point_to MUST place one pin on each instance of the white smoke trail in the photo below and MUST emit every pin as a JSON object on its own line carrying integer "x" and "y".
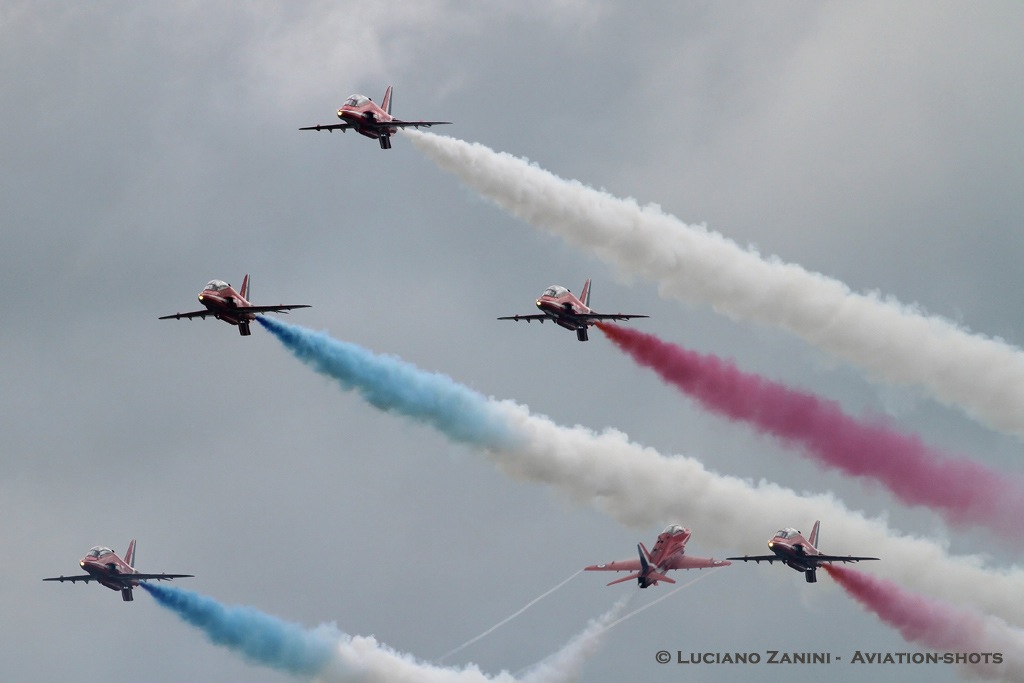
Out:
{"x": 508, "y": 618}
{"x": 365, "y": 660}
{"x": 567, "y": 663}
{"x": 666, "y": 596}
{"x": 637, "y": 485}
{"x": 891, "y": 341}
{"x": 640, "y": 487}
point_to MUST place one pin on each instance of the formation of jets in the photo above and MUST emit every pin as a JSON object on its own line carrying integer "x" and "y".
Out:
{"x": 788, "y": 546}
{"x": 561, "y": 306}
{"x": 556, "y": 304}
{"x": 103, "y": 566}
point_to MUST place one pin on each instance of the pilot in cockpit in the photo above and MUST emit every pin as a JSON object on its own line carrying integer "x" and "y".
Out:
{"x": 357, "y": 100}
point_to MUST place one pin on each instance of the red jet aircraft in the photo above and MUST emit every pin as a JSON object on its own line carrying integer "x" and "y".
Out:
{"x": 361, "y": 113}
{"x": 560, "y": 305}
{"x": 104, "y": 566}
{"x": 668, "y": 553}
{"x": 792, "y": 549}
{"x": 224, "y": 303}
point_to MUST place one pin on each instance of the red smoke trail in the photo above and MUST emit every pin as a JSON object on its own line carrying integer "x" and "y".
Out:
{"x": 918, "y": 619}
{"x": 988, "y": 646}
{"x": 962, "y": 491}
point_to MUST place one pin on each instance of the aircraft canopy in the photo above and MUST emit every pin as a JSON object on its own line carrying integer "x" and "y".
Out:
{"x": 357, "y": 100}
{"x": 786, "y": 533}
{"x": 673, "y": 529}
{"x": 98, "y": 551}
{"x": 556, "y": 291}
{"x": 217, "y": 285}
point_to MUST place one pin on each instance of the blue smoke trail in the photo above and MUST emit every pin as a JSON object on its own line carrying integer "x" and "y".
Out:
{"x": 259, "y": 637}
{"x": 393, "y": 385}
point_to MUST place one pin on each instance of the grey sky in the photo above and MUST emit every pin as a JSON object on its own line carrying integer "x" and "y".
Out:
{"x": 149, "y": 147}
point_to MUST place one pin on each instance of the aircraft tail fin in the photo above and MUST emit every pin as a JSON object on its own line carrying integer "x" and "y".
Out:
{"x": 386, "y": 103}
{"x": 129, "y": 555}
{"x": 585, "y": 294}
{"x": 244, "y": 291}
{"x": 644, "y": 564}
{"x": 813, "y": 538}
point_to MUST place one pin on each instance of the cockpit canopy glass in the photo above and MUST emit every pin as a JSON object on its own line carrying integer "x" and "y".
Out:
{"x": 216, "y": 285}
{"x": 98, "y": 551}
{"x": 556, "y": 291}
{"x": 356, "y": 100}
{"x": 786, "y": 533}
{"x": 674, "y": 529}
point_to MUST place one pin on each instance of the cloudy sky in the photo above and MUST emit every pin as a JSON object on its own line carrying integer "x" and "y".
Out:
{"x": 150, "y": 147}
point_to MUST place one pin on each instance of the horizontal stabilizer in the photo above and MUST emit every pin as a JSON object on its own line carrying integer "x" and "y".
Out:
{"x": 631, "y": 577}
{"x": 655, "y": 576}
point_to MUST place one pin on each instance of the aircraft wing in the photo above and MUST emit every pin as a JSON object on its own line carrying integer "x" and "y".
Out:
{"x": 617, "y": 566}
{"x": 757, "y": 558}
{"x": 837, "y": 558}
{"x": 157, "y": 577}
{"x": 609, "y": 316}
{"x": 268, "y": 309}
{"x": 690, "y": 562}
{"x": 535, "y": 316}
{"x": 329, "y": 127}
{"x": 193, "y": 314}
{"x": 77, "y": 577}
{"x": 395, "y": 123}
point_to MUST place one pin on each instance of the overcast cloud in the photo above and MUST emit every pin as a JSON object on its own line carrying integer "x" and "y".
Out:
{"x": 149, "y": 147}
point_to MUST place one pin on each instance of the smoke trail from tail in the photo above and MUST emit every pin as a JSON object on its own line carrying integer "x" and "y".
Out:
{"x": 962, "y": 491}
{"x": 258, "y": 637}
{"x": 334, "y": 657}
{"x": 938, "y": 625}
{"x": 567, "y": 663}
{"x": 640, "y": 487}
{"x": 509, "y": 618}
{"x": 662, "y": 598}
{"x": 893, "y": 342}
{"x": 391, "y": 384}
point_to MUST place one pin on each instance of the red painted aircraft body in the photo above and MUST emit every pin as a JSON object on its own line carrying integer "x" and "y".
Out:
{"x": 669, "y": 552}
{"x": 224, "y": 303}
{"x": 561, "y": 306}
{"x": 792, "y": 549}
{"x": 362, "y": 114}
{"x": 105, "y": 567}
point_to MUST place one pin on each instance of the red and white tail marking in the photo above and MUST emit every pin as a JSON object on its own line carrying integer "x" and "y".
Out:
{"x": 244, "y": 291}
{"x": 386, "y": 103}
